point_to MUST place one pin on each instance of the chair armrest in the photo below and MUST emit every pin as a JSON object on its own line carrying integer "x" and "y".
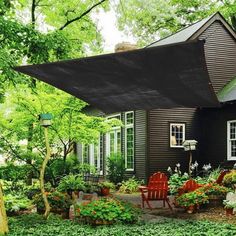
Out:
{"x": 143, "y": 188}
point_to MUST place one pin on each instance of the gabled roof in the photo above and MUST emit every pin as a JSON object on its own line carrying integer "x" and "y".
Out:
{"x": 193, "y": 31}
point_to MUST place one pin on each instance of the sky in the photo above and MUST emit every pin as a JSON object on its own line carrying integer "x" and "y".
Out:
{"x": 111, "y": 34}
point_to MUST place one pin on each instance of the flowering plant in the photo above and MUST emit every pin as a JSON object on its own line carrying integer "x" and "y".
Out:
{"x": 196, "y": 197}
{"x": 214, "y": 189}
{"x": 56, "y": 200}
{"x": 108, "y": 209}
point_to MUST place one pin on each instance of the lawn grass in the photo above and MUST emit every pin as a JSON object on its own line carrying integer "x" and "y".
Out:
{"x": 35, "y": 225}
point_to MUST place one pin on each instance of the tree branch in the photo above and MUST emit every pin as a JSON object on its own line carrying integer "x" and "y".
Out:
{"x": 81, "y": 16}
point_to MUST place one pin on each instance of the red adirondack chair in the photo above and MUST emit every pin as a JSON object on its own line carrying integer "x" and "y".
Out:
{"x": 221, "y": 176}
{"x": 156, "y": 190}
{"x": 189, "y": 186}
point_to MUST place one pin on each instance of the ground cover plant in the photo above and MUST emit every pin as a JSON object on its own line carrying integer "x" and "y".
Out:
{"x": 35, "y": 225}
{"x": 130, "y": 186}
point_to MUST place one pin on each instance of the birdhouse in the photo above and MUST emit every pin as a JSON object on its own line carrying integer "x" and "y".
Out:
{"x": 45, "y": 119}
{"x": 189, "y": 145}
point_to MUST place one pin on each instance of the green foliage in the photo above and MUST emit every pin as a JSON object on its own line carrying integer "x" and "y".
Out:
{"x": 106, "y": 184}
{"x": 71, "y": 183}
{"x": 229, "y": 204}
{"x": 214, "y": 189}
{"x": 57, "y": 201}
{"x": 16, "y": 203}
{"x": 196, "y": 197}
{"x": 230, "y": 179}
{"x": 165, "y": 17}
{"x": 37, "y": 226}
{"x": 130, "y": 186}
{"x": 176, "y": 181}
{"x": 108, "y": 209}
{"x": 116, "y": 168}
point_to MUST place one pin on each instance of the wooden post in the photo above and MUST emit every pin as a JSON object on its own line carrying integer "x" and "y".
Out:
{"x": 190, "y": 163}
{"x": 42, "y": 173}
{"x": 3, "y": 216}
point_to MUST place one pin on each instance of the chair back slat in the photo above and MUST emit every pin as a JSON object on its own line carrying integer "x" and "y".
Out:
{"x": 157, "y": 186}
{"x": 221, "y": 176}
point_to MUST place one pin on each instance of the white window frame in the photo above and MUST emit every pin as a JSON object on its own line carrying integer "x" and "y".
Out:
{"x": 115, "y": 129}
{"x": 229, "y": 156}
{"x": 170, "y": 132}
{"x": 126, "y": 127}
{"x": 91, "y": 155}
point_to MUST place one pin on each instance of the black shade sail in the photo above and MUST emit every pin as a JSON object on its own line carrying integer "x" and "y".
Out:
{"x": 158, "y": 77}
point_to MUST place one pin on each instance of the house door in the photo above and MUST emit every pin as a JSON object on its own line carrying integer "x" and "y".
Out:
{"x": 113, "y": 142}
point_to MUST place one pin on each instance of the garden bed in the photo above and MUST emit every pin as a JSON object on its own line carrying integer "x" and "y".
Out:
{"x": 37, "y": 226}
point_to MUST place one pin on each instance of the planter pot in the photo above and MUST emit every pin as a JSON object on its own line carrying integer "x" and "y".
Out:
{"x": 191, "y": 209}
{"x": 105, "y": 191}
{"x": 215, "y": 201}
{"x": 87, "y": 196}
{"x": 229, "y": 211}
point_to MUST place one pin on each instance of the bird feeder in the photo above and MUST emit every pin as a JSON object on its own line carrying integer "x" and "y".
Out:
{"x": 189, "y": 145}
{"x": 45, "y": 119}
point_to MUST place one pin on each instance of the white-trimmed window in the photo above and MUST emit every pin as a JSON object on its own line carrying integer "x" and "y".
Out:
{"x": 91, "y": 155}
{"x": 113, "y": 138}
{"x": 231, "y": 140}
{"x": 177, "y": 135}
{"x": 129, "y": 140}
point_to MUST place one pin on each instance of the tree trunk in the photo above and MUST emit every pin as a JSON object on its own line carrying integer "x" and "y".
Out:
{"x": 42, "y": 172}
{"x": 3, "y": 215}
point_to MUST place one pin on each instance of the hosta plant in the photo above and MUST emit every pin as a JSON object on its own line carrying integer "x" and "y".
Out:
{"x": 130, "y": 186}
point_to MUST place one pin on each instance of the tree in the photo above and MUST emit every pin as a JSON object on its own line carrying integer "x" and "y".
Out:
{"x": 159, "y": 19}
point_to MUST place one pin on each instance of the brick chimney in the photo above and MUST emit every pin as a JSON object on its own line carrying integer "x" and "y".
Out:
{"x": 125, "y": 46}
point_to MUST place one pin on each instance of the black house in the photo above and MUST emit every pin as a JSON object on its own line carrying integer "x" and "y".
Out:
{"x": 152, "y": 140}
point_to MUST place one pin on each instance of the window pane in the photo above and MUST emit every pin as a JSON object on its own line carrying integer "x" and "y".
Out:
{"x": 177, "y": 134}
{"x": 130, "y": 148}
{"x": 233, "y": 148}
{"x": 129, "y": 118}
{"x": 232, "y": 130}
{"x": 112, "y": 143}
{"x": 86, "y": 153}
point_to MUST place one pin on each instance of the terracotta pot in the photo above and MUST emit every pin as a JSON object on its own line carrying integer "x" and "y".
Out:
{"x": 105, "y": 191}
{"x": 191, "y": 209}
{"x": 87, "y": 196}
{"x": 229, "y": 211}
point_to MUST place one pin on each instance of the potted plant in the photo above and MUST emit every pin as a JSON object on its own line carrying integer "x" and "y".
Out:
{"x": 71, "y": 183}
{"x": 191, "y": 201}
{"x": 90, "y": 189}
{"x": 215, "y": 192}
{"x": 229, "y": 207}
{"x": 105, "y": 187}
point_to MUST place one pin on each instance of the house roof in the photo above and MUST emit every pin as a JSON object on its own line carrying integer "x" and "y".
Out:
{"x": 132, "y": 80}
{"x": 193, "y": 31}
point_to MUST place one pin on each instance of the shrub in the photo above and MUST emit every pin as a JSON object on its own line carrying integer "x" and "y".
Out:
{"x": 230, "y": 179}
{"x": 71, "y": 183}
{"x": 193, "y": 198}
{"x": 57, "y": 201}
{"x": 116, "y": 168}
{"x": 108, "y": 210}
{"x": 214, "y": 189}
{"x": 130, "y": 186}
{"x": 16, "y": 203}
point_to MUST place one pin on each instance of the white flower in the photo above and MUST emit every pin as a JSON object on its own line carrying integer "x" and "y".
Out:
{"x": 192, "y": 167}
{"x": 185, "y": 174}
{"x": 178, "y": 165}
{"x": 206, "y": 167}
{"x": 169, "y": 169}
{"x": 195, "y": 164}
{"x": 176, "y": 170}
